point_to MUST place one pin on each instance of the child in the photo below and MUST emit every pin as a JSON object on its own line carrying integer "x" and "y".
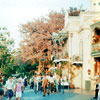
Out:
{"x": 19, "y": 88}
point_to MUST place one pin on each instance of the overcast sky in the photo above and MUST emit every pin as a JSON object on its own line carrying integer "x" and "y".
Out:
{"x": 16, "y": 12}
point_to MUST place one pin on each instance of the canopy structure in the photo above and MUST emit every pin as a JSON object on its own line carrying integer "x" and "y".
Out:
{"x": 77, "y": 63}
{"x": 59, "y": 60}
{"x": 56, "y": 60}
{"x": 52, "y": 68}
{"x": 64, "y": 59}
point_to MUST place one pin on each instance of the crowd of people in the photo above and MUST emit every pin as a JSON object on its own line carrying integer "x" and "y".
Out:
{"x": 48, "y": 83}
{"x": 44, "y": 83}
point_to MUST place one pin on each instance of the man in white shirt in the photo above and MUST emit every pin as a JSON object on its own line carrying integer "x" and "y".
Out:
{"x": 31, "y": 82}
{"x": 97, "y": 79}
{"x": 9, "y": 87}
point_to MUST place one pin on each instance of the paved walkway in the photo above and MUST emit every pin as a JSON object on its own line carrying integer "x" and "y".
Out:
{"x": 68, "y": 95}
{"x": 79, "y": 91}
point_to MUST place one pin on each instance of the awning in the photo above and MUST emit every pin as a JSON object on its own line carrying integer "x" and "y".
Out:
{"x": 65, "y": 59}
{"x": 59, "y": 60}
{"x": 95, "y": 54}
{"x": 56, "y": 60}
{"x": 77, "y": 63}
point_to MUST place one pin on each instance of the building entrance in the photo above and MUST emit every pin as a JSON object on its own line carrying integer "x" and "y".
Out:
{"x": 97, "y": 65}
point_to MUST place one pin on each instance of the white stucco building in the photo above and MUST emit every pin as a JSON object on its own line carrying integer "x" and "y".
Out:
{"x": 79, "y": 30}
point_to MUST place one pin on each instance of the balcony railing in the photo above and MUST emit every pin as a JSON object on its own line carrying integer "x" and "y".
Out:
{"x": 95, "y": 49}
{"x": 76, "y": 58}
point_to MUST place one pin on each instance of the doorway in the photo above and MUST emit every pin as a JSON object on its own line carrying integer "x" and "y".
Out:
{"x": 97, "y": 65}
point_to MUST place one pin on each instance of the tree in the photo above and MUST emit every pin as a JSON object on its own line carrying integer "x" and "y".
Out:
{"x": 6, "y": 52}
{"x": 37, "y": 36}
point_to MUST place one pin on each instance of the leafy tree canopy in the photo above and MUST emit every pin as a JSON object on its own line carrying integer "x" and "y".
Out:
{"x": 6, "y": 52}
{"x": 37, "y": 36}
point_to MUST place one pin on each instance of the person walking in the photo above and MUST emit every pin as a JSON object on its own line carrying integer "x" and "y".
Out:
{"x": 59, "y": 86}
{"x": 32, "y": 82}
{"x": 35, "y": 83}
{"x": 51, "y": 80}
{"x": 18, "y": 89}
{"x": 48, "y": 86}
{"x": 45, "y": 82}
{"x": 97, "y": 79}
{"x": 22, "y": 82}
{"x": 4, "y": 80}
{"x": 56, "y": 84}
{"x": 14, "y": 81}
{"x": 38, "y": 84}
{"x": 9, "y": 87}
{"x": 25, "y": 82}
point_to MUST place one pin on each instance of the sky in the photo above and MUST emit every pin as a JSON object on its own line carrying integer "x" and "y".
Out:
{"x": 16, "y": 12}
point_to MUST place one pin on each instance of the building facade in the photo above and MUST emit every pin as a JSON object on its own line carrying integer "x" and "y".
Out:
{"x": 80, "y": 31}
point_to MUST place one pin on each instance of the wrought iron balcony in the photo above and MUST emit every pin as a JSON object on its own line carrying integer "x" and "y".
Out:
{"x": 95, "y": 50}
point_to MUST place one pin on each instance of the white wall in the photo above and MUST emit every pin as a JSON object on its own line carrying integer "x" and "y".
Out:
{"x": 86, "y": 54}
{"x": 80, "y": 28}
{"x": 95, "y": 6}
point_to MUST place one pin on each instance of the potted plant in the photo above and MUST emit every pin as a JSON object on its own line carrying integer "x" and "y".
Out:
{"x": 71, "y": 79}
{"x": 72, "y": 86}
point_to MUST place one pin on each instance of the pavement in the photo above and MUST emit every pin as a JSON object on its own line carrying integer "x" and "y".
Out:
{"x": 81, "y": 91}
{"x": 75, "y": 94}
